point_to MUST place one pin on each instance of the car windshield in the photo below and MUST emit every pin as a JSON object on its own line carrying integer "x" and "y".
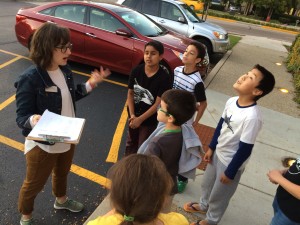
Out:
{"x": 142, "y": 24}
{"x": 190, "y": 14}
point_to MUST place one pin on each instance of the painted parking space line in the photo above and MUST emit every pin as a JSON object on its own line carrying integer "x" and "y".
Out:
{"x": 116, "y": 141}
{"x": 103, "y": 181}
{"x": 12, "y": 143}
{"x": 17, "y": 55}
{"x": 10, "y": 62}
{"x": 74, "y": 168}
{"x": 107, "y": 80}
{"x": 74, "y": 71}
{"x": 7, "y": 102}
{"x": 117, "y": 137}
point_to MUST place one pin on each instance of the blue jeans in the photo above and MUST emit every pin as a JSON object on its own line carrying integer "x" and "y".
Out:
{"x": 279, "y": 217}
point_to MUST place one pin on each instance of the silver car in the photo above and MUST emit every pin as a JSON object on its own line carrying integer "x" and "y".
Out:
{"x": 178, "y": 17}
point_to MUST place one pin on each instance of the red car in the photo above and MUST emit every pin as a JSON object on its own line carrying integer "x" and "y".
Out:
{"x": 104, "y": 34}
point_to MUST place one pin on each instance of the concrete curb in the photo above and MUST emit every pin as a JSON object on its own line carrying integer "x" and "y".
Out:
{"x": 216, "y": 69}
{"x": 101, "y": 210}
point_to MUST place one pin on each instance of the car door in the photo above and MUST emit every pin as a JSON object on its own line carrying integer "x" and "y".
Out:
{"x": 72, "y": 16}
{"x": 103, "y": 46}
{"x": 169, "y": 18}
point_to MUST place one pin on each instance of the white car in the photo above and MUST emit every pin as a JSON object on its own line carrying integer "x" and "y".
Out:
{"x": 177, "y": 16}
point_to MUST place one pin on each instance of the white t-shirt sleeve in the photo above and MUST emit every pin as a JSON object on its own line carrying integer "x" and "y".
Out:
{"x": 250, "y": 131}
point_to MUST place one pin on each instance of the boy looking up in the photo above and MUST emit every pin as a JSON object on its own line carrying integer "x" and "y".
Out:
{"x": 188, "y": 78}
{"x": 232, "y": 145}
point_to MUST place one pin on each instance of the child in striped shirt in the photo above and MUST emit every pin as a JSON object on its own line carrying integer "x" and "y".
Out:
{"x": 188, "y": 78}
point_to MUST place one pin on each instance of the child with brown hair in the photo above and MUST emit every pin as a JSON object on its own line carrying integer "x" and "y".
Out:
{"x": 232, "y": 144}
{"x": 147, "y": 82}
{"x": 188, "y": 78}
{"x": 140, "y": 185}
{"x": 49, "y": 84}
{"x": 173, "y": 141}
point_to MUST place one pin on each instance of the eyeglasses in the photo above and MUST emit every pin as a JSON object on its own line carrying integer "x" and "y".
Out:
{"x": 64, "y": 48}
{"x": 165, "y": 112}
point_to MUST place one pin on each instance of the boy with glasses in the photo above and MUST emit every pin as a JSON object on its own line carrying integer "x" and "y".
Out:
{"x": 167, "y": 141}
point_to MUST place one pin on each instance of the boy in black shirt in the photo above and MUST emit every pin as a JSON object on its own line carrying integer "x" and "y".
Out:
{"x": 147, "y": 83}
{"x": 286, "y": 203}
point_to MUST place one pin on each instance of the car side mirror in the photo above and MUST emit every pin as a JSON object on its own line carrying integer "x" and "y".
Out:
{"x": 123, "y": 32}
{"x": 181, "y": 19}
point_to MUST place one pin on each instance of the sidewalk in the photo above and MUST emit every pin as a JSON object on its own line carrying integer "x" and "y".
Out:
{"x": 252, "y": 202}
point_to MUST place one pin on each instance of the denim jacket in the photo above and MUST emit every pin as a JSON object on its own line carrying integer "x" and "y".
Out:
{"x": 32, "y": 97}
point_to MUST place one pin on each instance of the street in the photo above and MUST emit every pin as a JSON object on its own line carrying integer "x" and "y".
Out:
{"x": 241, "y": 28}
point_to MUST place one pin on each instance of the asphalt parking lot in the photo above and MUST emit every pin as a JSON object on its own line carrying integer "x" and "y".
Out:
{"x": 101, "y": 143}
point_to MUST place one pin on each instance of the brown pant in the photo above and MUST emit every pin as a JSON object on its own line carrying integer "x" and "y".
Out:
{"x": 39, "y": 165}
{"x": 136, "y": 137}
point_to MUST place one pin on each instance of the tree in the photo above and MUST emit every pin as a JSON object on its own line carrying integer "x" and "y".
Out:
{"x": 293, "y": 5}
{"x": 249, "y": 6}
{"x": 271, "y": 5}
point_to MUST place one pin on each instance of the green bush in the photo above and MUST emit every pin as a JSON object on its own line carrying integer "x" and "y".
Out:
{"x": 293, "y": 66}
{"x": 284, "y": 20}
{"x": 249, "y": 20}
{"x": 218, "y": 7}
{"x": 289, "y": 18}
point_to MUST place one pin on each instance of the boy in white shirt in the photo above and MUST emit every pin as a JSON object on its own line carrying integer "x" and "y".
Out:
{"x": 232, "y": 144}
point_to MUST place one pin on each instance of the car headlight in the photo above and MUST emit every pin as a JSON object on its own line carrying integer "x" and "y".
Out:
{"x": 219, "y": 35}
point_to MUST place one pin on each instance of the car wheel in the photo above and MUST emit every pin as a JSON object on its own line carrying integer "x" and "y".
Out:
{"x": 192, "y": 7}
{"x": 207, "y": 44}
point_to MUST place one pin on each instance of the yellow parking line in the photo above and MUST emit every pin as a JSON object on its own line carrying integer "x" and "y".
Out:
{"x": 114, "y": 150}
{"x": 10, "y": 62}
{"x": 10, "y": 53}
{"x": 12, "y": 143}
{"x": 75, "y": 71}
{"x": 116, "y": 141}
{"x": 90, "y": 175}
{"x": 74, "y": 168}
{"x": 7, "y": 102}
{"x": 109, "y": 81}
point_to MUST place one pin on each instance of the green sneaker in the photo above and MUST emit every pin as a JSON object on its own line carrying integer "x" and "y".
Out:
{"x": 181, "y": 185}
{"x": 70, "y": 205}
{"x": 27, "y": 222}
